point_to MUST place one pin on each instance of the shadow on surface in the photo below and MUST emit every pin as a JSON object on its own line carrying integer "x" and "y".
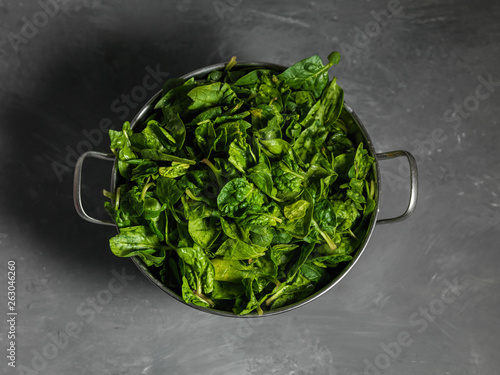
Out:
{"x": 45, "y": 128}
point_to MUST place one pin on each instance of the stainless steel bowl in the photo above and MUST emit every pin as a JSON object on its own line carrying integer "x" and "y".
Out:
{"x": 362, "y": 135}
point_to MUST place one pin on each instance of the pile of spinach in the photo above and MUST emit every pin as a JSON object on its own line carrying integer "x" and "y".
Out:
{"x": 244, "y": 190}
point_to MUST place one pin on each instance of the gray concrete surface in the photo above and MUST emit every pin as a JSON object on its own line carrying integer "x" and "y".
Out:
{"x": 423, "y": 76}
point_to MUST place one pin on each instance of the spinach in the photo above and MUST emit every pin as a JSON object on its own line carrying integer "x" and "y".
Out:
{"x": 140, "y": 241}
{"x": 239, "y": 197}
{"x": 309, "y": 74}
{"x": 244, "y": 190}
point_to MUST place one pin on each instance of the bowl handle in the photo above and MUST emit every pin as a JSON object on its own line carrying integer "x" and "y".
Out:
{"x": 77, "y": 185}
{"x": 413, "y": 184}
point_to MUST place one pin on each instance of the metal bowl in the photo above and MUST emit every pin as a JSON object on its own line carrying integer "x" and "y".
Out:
{"x": 360, "y": 133}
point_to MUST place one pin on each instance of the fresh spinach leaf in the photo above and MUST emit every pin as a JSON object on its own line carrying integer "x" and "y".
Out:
{"x": 138, "y": 241}
{"x": 239, "y": 197}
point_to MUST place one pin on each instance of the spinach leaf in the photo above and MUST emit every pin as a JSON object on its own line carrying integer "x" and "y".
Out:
{"x": 309, "y": 141}
{"x": 175, "y": 126}
{"x": 292, "y": 292}
{"x": 241, "y": 155}
{"x": 205, "y": 137}
{"x": 169, "y": 193}
{"x": 203, "y": 222}
{"x": 238, "y": 250}
{"x": 299, "y": 226}
{"x": 176, "y": 97}
{"x": 239, "y": 197}
{"x": 235, "y": 271}
{"x": 261, "y": 176}
{"x": 324, "y": 223}
{"x": 227, "y": 291}
{"x": 197, "y": 269}
{"x": 138, "y": 241}
{"x": 120, "y": 142}
{"x": 309, "y": 74}
{"x": 190, "y": 295}
{"x": 212, "y": 94}
{"x": 332, "y": 101}
{"x": 362, "y": 163}
{"x": 175, "y": 170}
{"x": 229, "y": 131}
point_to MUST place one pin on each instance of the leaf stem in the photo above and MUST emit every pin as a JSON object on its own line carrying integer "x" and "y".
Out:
{"x": 108, "y": 194}
{"x": 325, "y": 236}
{"x": 279, "y": 292}
{"x": 190, "y": 194}
{"x": 214, "y": 170}
{"x": 230, "y": 64}
{"x": 204, "y": 298}
{"x": 117, "y": 198}
{"x": 275, "y": 218}
{"x": 145, "y": 189}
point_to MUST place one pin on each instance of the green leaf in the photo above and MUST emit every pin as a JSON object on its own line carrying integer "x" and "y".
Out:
{"x": 210, "y": 114}
{"x": 229, "y": 131}
{"x": 203, "y": 223}
{"x": 175, "y": 170}
{"x": 199, "y": 266}
{"x": 300, "y": 227}
{"x": 330, "y": 260}
{"x": 291, "y": 292}
{"x": 205, "y": 137}
{"x": 239, "y": 197}
{"x": 305, "y": 251}
{"x": 261, "y": 176}
{"x": 210, "y": 95}
{"x": 225, "y": 290}
{"x": 282, "y": 253}
{"x": 261, "y": 235}
{"x": 175, "y": 126}
{"x": 241, "y": 155}
{"x": 324, "y": 223}
{"x": 120, "y": 143}
{"x": 346, "y": 213}
{"x": 192, "y": 296}
{"x": 252, "y": 78}
{"x": 176, "y": 97}
{"x": 332, "y": 101}
{"x": 296, "y": 210}
{"x": 308, "y": 74}
{"x": 238, "y": 250}
{"x": 310, "y": 140}
{"x": 362, "y": 163}
{"x": 343, "y": 164}
{"x": 315, "y": 273}
{"x": 288, "y": 181}
{"x": 251, "y": 302}
{"x": 234, "y": 271}
{"x": 355, "y": 192}
{"x": 138, "y": 241}
{"x": 169, "y": 193}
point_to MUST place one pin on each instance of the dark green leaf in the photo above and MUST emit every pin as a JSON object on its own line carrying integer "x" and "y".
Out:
{"x": 239, "y": 197}
{"x": 308, "y": 74}
{"x": 138, "y": 241}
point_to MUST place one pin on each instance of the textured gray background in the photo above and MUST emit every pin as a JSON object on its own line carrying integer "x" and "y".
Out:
{"x": 417, "y": 81}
